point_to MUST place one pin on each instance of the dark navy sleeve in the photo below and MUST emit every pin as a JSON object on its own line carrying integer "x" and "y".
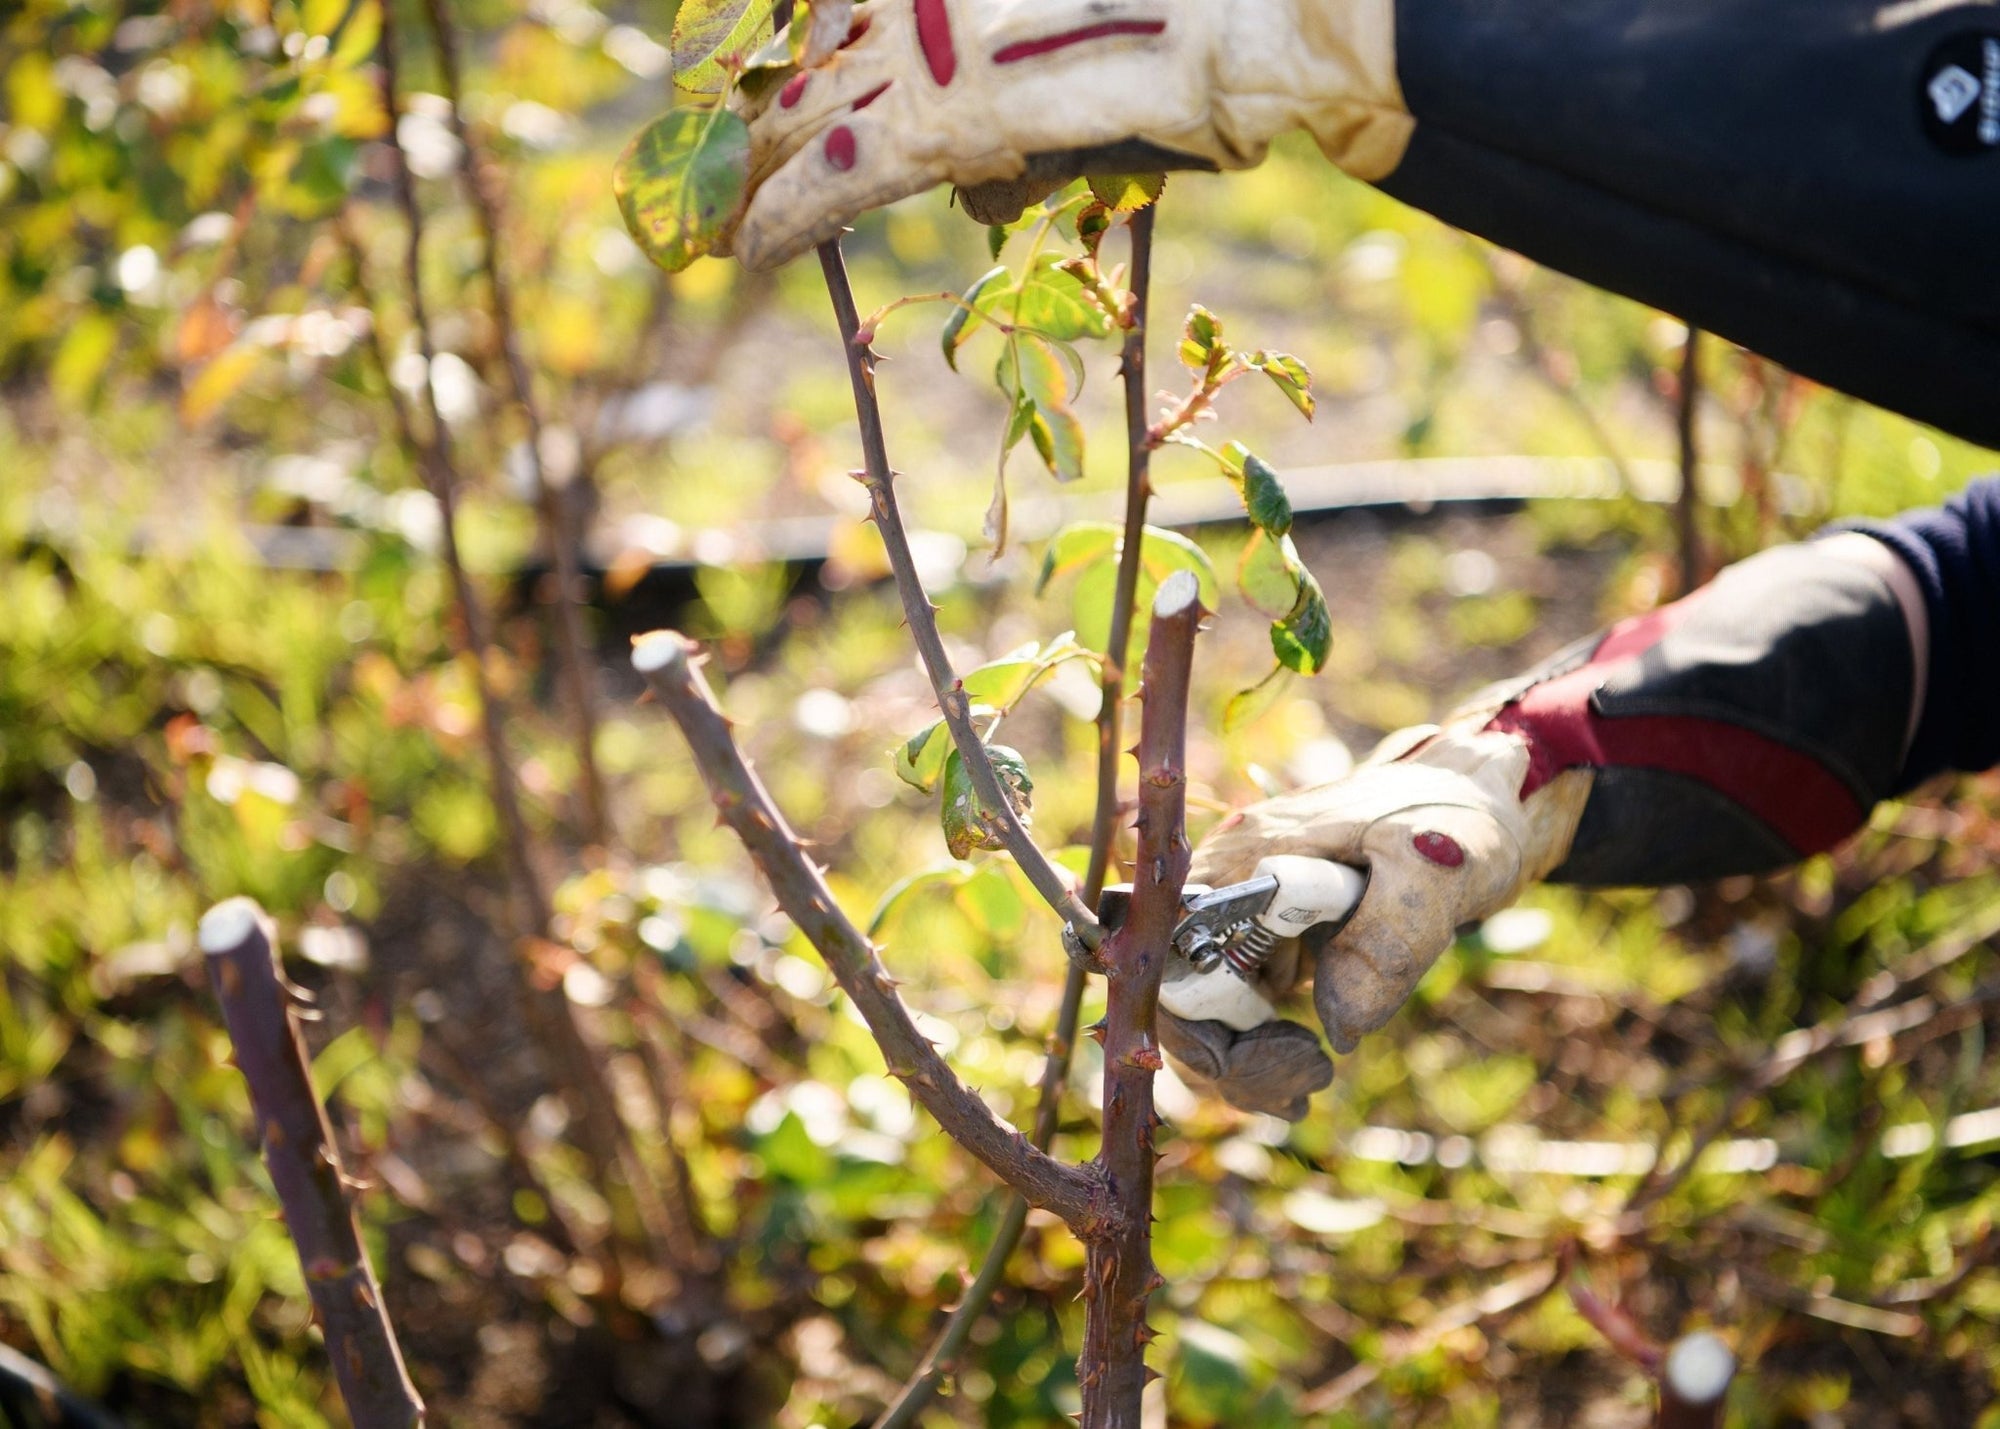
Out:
{"x": 1818, "y": 180}
{"x": 1954, "y": 551}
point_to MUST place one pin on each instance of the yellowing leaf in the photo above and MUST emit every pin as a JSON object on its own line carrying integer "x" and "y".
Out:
{"x": 1127, "y": 193}
{"x": 706, "y": 31}
{"x": 217, "y": 382}
{"x": 961, "y": 814}
{"x": 679, "y": 182}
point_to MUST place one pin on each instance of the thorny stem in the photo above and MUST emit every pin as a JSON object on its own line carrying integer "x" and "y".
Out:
{"x": 549, "y": 1013}
{"x": 304, "y": 1163}
{"x": 549, "y": 504}
{"x": 1119, "y": 1277}
{"x": 1685, "y": 503}
{"x": 667, "y": 661}
{"x": 922, "y": 1385}
{"x": 921, "y": 615}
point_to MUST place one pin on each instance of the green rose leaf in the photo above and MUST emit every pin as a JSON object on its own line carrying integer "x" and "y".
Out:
{"x": 1032, "y": 373}
{"x": 1127, "y": 193}
{"x": 1292, "y": 377}
{"x": 1075, "y": 547}
{"x": 1087, "y": 543}
{"x": 1264, "y": 497}
{"x": 1201, "y": 340}
{"x": 904, "y": 890}
{"x": 1004, "y": 682}
{"x": 1304, "y": 638}
{"x": 920, "y": 758}
{"x": 1048, "y": 302}
{"x": 1246, "y": 706}
{"x": 960, "y": 813}
{"x": 1093, "y": 221}
{"x": 960, "y": 326}
{"x": 679, "y": 182}
{"x": 1268, "y": 575}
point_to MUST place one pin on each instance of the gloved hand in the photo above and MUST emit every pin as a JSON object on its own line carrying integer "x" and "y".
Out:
{"x": 970, "y": 91}
{"x": 1445, "y": 838}
{"x": 1734, "y": 731}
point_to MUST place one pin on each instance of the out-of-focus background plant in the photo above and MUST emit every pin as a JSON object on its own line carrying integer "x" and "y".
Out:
{"x": 232, "y": 661}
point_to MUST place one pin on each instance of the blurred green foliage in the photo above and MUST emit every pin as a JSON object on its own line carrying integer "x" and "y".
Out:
{"x": 226, "y": 666}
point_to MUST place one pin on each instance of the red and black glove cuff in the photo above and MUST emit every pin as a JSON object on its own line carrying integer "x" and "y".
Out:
{"x": 1737, "y": 730}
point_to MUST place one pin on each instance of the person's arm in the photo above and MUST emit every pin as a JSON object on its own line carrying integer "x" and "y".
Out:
{"x": 1738, "y": 730}
{"x": 1818, "y": 180}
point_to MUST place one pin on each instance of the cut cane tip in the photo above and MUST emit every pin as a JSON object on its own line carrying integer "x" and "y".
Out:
{"x": 227, "y": 926}
{"x": 1179, "y": 591}
{"x": 1699, "y": 1368}
{"x": 656, "y": 650}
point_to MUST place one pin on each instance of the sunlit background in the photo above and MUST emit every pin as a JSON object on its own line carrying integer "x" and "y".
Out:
{"x": 227, "y": 666}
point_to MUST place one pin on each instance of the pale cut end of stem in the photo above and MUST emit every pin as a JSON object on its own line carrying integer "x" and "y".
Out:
{"x": 1699, "y": 1368}
{"x": 657, "y": 650}
{"x": 227, "y": 926}
{"x": 1179, "y": 591}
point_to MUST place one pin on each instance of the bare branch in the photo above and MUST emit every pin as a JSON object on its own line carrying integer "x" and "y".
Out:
{"x": 880, "y": 480}
{"x": 922, "y": 1384}
{"x": 573, "y": 643}
{"x": 551, "y": 1018}
{"x": 305, "y": 1167}
{"x": 1119, "y": 1277}
{"x": 666, "y": 660}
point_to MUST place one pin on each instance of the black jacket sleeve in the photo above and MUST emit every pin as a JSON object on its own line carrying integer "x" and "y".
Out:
{"x": 1818, "y": 180}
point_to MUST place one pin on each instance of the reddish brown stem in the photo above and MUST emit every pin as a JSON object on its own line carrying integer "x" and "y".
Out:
{"x": 667, "y": 660}
{"x": 1119, "y": 1277}
{"x": 917, "y": 1391}
{"x": 304, "y": 1162}
{"x": 880, "y": 480}
{"x": 573, "y": 644}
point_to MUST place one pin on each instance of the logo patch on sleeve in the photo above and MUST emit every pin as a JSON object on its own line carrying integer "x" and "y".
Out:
{"x": 1958, "y": 95}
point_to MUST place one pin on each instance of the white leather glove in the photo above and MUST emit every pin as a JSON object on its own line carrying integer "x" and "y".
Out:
{"x": 968, "y": 91}
{"x": 1445, "y": 838}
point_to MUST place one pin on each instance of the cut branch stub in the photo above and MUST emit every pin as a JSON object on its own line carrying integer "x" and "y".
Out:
{"x": 1119, "y": 1277}
{"x": 668, "y": 661}
{"x": 1694, "y": 1382}
{"x": 305, "y": 1167}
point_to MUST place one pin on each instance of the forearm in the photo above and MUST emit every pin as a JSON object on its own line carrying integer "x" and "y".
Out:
{"x": 1951, "y": 555}
{"x": 1774, "y": 170}
{"x": 1760, "y": 719}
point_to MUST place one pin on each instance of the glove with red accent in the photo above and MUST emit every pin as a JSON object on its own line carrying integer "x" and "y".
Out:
{"x": 1735, "y": 731}
{"x": 972, "y": 91}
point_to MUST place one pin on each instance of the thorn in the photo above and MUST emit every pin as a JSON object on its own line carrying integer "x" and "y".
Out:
{"x": 1145, "y": 1056}
{"x": 1151, "y": 1374}
{"x": 1096, "y": 1031}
